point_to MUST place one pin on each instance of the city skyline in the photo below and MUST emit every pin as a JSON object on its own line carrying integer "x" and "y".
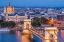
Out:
{"x": 33, "y": 3}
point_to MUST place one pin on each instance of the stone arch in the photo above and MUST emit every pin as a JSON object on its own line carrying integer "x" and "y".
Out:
{"x": 27, "y": 23}
{"x": 51, "y": 34}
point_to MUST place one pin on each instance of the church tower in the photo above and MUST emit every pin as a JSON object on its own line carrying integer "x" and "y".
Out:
{"x": 5, "y": 10}
{"x": 9, "y": 9}
{"x": 13, "y": 10}
{"x": 9, "y": 4}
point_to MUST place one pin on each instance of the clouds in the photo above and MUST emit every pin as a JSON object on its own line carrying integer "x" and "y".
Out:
{"x": 34, "y": 3}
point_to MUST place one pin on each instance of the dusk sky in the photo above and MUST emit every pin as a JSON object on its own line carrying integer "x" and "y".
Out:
{"x": 33, "y": 3}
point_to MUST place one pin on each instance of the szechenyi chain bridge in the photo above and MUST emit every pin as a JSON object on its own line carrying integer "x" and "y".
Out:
{"x": 46, "y": 34}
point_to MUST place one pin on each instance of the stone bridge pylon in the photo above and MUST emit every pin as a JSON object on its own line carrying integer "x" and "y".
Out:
{"x": 27, "y": 24}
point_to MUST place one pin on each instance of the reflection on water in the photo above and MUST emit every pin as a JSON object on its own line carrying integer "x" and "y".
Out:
{"x": 8, "y": 37}
{"x": 14, "y": 37}
{"x": 62, "y": 35}
{"x": 23, "y": 38}
{"x": 17, "y": 37}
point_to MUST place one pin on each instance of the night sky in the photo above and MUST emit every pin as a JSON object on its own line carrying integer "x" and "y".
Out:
{"x": 33, "y": 3}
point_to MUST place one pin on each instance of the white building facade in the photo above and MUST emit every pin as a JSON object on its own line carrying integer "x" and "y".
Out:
{"x": 16, "y": 17}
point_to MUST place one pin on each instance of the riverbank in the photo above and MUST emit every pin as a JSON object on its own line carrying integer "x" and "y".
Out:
{"x": 4, "y": 29}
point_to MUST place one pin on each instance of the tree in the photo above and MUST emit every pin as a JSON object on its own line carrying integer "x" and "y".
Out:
{"x": 39, "y": 24}
{"x": 2, "y": 24}
{"x": 38, "y": 21}
{"x": 11, "y": 24}
{"x": 35, "y": 22}
{"x": 1, "y": 21}
{"x": 7, "y": 24}
{"x": 43, "y": 20}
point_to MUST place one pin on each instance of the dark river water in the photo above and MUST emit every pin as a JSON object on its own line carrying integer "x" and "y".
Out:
{"x": 17, "y": 37}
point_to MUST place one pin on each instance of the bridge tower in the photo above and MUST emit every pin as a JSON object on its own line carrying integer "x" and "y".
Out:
{"x": 27, "y": 24}
{"x": 28, "y": 35}
{"x": 51, "y": 34}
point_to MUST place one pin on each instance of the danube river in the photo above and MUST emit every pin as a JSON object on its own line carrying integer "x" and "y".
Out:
{"x": 17, "y": 37}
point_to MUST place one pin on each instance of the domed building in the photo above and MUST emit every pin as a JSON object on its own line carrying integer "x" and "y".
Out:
{"x": 9, "y": 9}
{"x": 10, "y": 15}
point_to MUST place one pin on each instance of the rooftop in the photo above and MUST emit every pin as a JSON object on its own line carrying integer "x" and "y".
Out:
{"x": 21, "y": 14}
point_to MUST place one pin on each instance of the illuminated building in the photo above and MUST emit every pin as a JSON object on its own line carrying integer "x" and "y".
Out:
{"x": 9, "y": 9}
{"x": 60, "y": 17}
{"x": 50, "y": 19}
{"x": 10, "y": 15}
{"x": 16, "y": 17}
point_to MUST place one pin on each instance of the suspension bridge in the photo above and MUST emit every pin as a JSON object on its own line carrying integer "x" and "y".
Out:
{"x": 46, "y": 34}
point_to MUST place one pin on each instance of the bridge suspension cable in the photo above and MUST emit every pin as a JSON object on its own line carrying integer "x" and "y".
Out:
{"x": 37, "y": 33}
